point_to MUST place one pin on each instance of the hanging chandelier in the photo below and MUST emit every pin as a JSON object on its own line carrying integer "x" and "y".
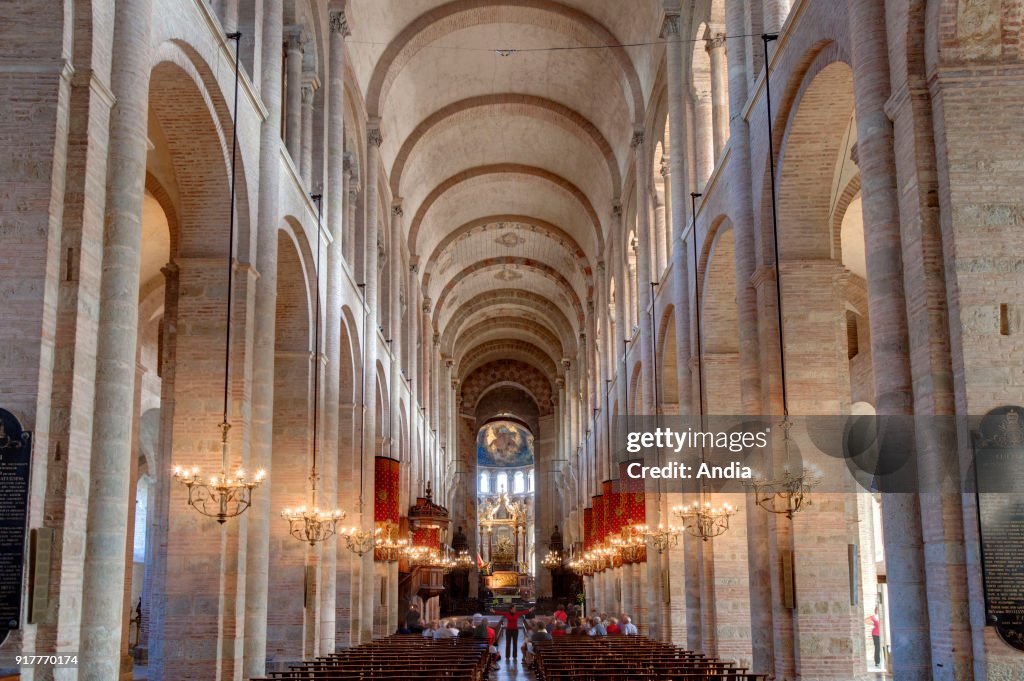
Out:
{"x": 223, "y": 496}
{"x": 704, "y": 520}
{"x": 632, "y": 544}
{"x": 700, "y": 518}
{"x": 552, "y": 560}
{"x": 463, "y": 562}
{"x": 790, "y": 492}
{"x": 661, "y": 538}
{"x": 311, "y": 524}
{"x": 358, "y": 540}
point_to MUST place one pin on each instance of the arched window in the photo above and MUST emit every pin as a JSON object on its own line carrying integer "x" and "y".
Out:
{"x": 502, "y": 485}
{"x": 531, "y": 480}
{"x": 519, "y": 483}
{"x": 141, "y": 506}
{"x": 485, "y": 483}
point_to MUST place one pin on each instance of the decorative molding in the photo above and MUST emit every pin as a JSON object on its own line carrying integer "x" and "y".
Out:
{"x": 296, "y": 38}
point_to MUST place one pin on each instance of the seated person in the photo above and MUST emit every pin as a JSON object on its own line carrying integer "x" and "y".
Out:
{"x": 612, "y": 627}
{"x": 597, "y": 627}
{"x": 628, "y": 628}
{"x": 558, "y": 628}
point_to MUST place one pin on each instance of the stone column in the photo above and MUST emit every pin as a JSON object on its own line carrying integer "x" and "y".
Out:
{"x": 295, "y": 47}
{"x": 662, "y": 243}
{"x": 336, "y": 193}
{"x": 370, "y": 298}
{"x": 306, "y": 159}
{"x": 685, "y": 570}
{"x": 704, "y": 134}
{"x": 258, "y": 517}
{"x": 227, "y": 11}
{"x": 103, "y": 581}
{"x": 719, "y": 92}
{"x": 739, "y": 182}
{"x": 622, "y": 326}
{"x": 348, "y": 237}
{"x": 901, "y": 513}
{"x": 643, "y": 278}
{"x": 395, "y": 317}
{"x": 773, "y": 14}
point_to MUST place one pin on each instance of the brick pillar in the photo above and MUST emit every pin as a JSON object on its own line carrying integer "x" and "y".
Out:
{"x": 103, "y": 580}
{"x": 295, "y": 46}
{"x": 901, "y": 514}
{"x": 367, "y": 597}
{"x": 258, "y": 517}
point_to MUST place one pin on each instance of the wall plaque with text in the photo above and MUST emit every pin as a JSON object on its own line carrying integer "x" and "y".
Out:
{"x": 999, "y": 465}
{"x": 15, "y": 457}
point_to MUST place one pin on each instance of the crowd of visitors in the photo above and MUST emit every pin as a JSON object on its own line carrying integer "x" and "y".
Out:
{"x": 564, "y": 621}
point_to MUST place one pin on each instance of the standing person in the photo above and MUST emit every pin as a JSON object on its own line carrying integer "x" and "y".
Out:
{"x": 876, "y": 635}
{"x": 560, "y": 614}
{"x": 412, "y": 620}
{"x": 512, "y": 618}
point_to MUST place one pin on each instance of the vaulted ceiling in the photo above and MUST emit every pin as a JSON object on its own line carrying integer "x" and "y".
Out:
{"x": 508, "y": 151}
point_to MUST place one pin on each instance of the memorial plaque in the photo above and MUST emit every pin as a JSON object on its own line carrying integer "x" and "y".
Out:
{"x": 999, "y": 466}
{"x": 15, "y": 454}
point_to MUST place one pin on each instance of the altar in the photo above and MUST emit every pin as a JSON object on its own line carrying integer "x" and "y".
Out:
{"x": 506, "y": 543}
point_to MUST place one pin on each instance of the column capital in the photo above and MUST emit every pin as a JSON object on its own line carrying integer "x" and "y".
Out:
{"x": 665, "y": 170}
{"x": 617, "y": 210}
{"x": 348, "y": 163}
{"x": 436, "y": 338}
{"x": 449, "y": 362}
{"x": 670, "y": 25}
{"x": 714, "y": 41}
{"x": 426, "y": 305}
{"x": 638, "y": 138}
{"x": 339, "y": 23}
{"x": 396, "y": 208}
{"x": 600, "y": 266}
{"x": 373, "y": 136}
{"x": 295, "y": 38}
{"x": 566, "y": 363}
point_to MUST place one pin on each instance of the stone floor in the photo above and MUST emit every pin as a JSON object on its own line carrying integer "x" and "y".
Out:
{"x": 511, "y": 669}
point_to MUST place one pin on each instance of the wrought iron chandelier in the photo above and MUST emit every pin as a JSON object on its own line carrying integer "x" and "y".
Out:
{"x": 552, "y": 560}
{"x": 662, "y": 538}
{"x": 701, "y": 518}
{"x": 311, "y": 524}
{"x": 358, "y": 540}
{"x": 224, "y": 496}
{"x": 632, "y": 544}
{"x": 463, "y": 561}
{"x": 790, "y": 492}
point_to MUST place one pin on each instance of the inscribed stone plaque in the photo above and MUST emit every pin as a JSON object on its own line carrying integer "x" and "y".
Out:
{"x": 999, "y": 464}
{"x": 15, "y": 453}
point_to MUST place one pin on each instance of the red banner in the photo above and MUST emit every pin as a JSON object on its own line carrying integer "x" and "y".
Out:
{"x": 385, "y": 490}
{"x": 635, "y": 506}
{"x": 614, "y": 512}
{"x": 427, "y": 536}
{"x": 598, "y": 502}
{"x": 588, "y": 528}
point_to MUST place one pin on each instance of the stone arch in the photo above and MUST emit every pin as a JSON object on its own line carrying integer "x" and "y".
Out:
{"x": 539, "y": 268}
{"x": 441, "y": 20}
{"x": 512, "y": 372}
{"x": 668, "y": 375}
{"x": 534, "y": 106}
{"x": 199, "y": 148}
{"x": 553, "y": 232}
{"x": 509, "y": 297}
{"x": 505, "y": 168}
{"x": 512, "y": 349}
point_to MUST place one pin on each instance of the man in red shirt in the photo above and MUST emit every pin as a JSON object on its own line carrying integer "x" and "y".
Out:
{"x": 512, "y": 629}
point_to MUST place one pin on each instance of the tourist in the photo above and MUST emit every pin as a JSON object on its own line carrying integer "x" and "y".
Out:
{"x": 612, "y": 627}
{"x": 428, "y": 632}
{"x": 560, "y": 613}
{"x": 413, "y": 619}
{"x": 628, "y": 628}
{"x": 558, "y": 628}
{"x": 597, "y": 628}
{"x": 444, "y": 631}
{"x": 453, "y": 630}
{"x": 512, "y": 618}
{"x": 876, "y": 635}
